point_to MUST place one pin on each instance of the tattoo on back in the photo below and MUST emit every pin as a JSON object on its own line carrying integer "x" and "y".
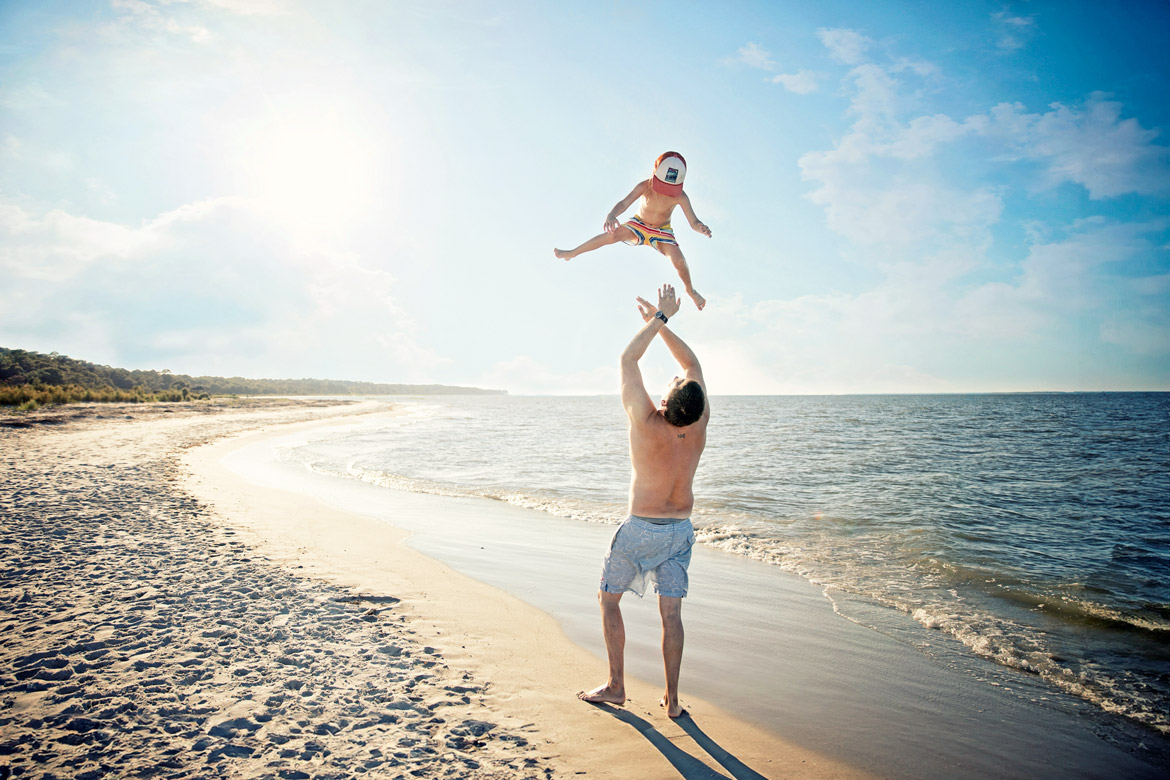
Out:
{"x": 682, "y": 435}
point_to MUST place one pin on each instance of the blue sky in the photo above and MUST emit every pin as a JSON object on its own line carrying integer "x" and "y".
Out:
{"x": 905, "y": 196}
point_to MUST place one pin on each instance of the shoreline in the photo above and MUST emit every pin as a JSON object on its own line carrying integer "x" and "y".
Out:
{"x": 807, "y": 676}
{"x": 533, "y": 668}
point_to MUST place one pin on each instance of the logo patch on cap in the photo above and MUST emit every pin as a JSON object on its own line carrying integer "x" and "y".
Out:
{"x": 669, "y": 172}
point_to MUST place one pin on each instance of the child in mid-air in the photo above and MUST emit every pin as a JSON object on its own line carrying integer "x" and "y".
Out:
{"x": 651, "y": 225}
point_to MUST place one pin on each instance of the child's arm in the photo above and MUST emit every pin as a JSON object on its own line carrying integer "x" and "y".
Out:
{"x": 696, "y": 225}
{"x": 611, "y": 219}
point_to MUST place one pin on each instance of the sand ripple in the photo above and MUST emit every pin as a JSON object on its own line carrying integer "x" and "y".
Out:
{"x": 141, "y": 639}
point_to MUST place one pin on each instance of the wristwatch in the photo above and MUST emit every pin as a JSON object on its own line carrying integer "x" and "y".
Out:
{"x": 660, "y": 316}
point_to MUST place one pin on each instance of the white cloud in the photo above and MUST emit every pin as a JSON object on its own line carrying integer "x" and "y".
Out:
{"x": 876, "y": 98}
{"x": 847, "y": 46}
{"x": 151, "y": 18}
{"x": 917, "y": 197}
{"x": 209, "y": 287}
{"x": 920, "y": 68}
{"x": 187, "y": 18}
{"x": 1009, "y": 43}
{"x": 813, "y": 344}
{"x": 904, "y": 211}
{"x": 252, "y": 7}
{"x": 57, "y": 245}
{"x": 101, "y": 193}
{"x": 28, "y": 97}
{"x": 1021, "y": 22}
{"x": 877, "y": 88}
{"x": 883, "y": 185}
{"x": 754, "y": 56}
{"x": 909, "y": 331}
{"x": 1143, "y": 330}
{"x": 877, "y": 186}
{"x": 20, "y": 150}
{"x": 803, "y": 82}
{"x": 1069, "y": 278}
{"x": 1146, "y": 338}
{"x": 1088, "y": 144}
{"x": 12, "y": 148}
{"x": 1013, "y": 31}
{"x": 924, "y": 134}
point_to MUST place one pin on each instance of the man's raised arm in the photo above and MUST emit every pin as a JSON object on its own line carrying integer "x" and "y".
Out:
{"x": 682, "y": 353}
{"x": 635, "y": 399}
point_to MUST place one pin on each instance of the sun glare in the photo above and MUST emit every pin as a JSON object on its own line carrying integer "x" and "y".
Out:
{"x": 311, "y": 171}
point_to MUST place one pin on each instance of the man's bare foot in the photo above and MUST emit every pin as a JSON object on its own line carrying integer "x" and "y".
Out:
{"x": 674, "y": 710}
{"x": 603, "y": 694}
{"x": 699, "y": 300}
{"x": 564, "y": 254}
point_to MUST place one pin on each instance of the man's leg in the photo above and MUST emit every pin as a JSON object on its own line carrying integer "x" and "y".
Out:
{"x": 672, "y": 648}
{"x": 614, "y": 690}
{"x": 684, "y": 272}
{"x": 605, "y": 239}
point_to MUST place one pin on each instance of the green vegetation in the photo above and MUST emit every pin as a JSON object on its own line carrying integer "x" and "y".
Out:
{"x": 29, "y": 380}
{"x": 28, "y": 397}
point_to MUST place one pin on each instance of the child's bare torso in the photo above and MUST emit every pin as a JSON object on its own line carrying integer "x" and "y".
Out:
{"x": 655, "y": 208}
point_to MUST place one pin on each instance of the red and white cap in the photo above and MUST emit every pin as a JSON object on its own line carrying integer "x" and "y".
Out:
{"x": 669, "y": 171}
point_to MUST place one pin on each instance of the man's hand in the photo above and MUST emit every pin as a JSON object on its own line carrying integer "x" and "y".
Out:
{"x": 701, "y": 228}
{"x": 668, "y": 304}
{"x": 611, "y": 223}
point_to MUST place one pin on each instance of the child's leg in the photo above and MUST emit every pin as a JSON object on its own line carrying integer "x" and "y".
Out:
{"x": 680, "y": 264}
{"x": 605, "y": 239}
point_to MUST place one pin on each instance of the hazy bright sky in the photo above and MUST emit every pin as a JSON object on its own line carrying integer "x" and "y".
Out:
{"x": 905, "y": 196}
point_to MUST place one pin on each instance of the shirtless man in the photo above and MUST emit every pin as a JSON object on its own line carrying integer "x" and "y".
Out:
{"x": 655, "y": 542}
{"x": 651, "y": 225}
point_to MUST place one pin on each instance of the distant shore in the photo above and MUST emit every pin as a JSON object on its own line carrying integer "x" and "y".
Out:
{"x": 32, "y": 379}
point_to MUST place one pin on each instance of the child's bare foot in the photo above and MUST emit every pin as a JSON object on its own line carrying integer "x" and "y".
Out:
{"x": 699, "y": 300}
{"x": 605, "y": 693}
{"x": 674, "y": 710}
{"x": 564, "y": 254}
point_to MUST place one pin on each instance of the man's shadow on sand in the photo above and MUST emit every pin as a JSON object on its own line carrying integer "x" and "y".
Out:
{"x": 687, "y": 765}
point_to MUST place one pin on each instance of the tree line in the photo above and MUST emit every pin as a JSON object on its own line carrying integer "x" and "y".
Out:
{"x": 38, "y": 378}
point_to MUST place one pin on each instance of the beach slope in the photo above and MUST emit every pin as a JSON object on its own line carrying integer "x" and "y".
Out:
{"x": 164, "y": 617}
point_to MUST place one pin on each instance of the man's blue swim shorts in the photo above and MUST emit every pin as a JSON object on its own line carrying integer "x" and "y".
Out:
{"x": 652, "y": 548}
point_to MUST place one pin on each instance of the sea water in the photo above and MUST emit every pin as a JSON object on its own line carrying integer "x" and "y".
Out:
{"x": 1032, "y": 530}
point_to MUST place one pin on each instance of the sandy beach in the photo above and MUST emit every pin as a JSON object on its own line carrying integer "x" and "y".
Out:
{"x": 763, "y": 643}
{"x": 165, "y": 617}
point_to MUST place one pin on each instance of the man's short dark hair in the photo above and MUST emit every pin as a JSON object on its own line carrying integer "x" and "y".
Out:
{"x": 685, "y": 404}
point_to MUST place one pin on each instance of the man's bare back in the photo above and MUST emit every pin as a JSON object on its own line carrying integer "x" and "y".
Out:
{"x": 663, "y": 460}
